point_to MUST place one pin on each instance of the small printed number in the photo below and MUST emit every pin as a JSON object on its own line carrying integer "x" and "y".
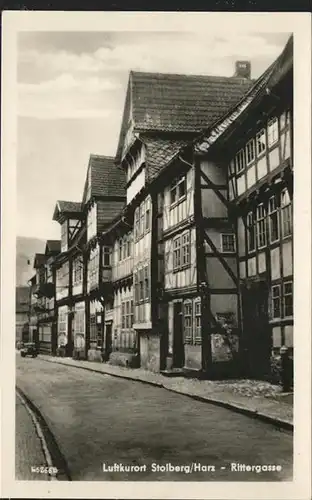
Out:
{"x": 43, "y": 470}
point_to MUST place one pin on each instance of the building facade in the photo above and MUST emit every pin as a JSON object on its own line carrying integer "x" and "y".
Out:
{"x": 179, "y": 256}
{"x": 21, "y": 314}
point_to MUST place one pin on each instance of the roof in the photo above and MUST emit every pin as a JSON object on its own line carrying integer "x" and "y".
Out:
{"x": 106, "y": 179}
{"x": 39, "y": 260}
{"x": 22, "y": 298}
{"x": 182, "y": 103}
{"x": 177, "y": 103}
{"x": 53, "y": 246}
{"x": 66, "y": 207}
{"x": 159, "y": 152}
{"x": 270, "y": 78}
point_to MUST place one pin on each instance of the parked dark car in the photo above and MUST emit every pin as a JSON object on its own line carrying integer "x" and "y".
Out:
{"x": 29, "y": 349}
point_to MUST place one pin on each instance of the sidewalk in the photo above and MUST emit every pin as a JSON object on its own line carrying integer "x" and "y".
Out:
{"x": 254, "y": 398}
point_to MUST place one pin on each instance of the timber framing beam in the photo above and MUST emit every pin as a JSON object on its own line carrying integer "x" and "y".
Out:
{"x": 221, "y": 258}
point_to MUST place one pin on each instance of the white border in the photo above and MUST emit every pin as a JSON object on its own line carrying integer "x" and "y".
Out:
{"x": 300, "y": 25}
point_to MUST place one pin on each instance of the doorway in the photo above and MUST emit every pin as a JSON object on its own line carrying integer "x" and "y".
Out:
{"x": 178, "y": 344}
{"x": 256, "y": 330}
{"x": 108, "y": 339}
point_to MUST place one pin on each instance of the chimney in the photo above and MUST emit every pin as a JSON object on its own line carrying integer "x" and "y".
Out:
{"x": 243, "y": 69}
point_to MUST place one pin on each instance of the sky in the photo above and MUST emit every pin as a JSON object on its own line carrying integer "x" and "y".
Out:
{"x": 71, "y": 93}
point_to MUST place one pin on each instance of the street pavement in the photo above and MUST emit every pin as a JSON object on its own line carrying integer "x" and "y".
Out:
{"x": 98, "y": 419}
{"x": 28, "y": 446}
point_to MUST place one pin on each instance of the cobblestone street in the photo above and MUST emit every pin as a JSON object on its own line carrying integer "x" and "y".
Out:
{"x": 97, "y": 419}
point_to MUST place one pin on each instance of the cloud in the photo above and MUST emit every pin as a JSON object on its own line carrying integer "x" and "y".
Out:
{"x": 66, "y": 83}
{"x": 67, "y": 96}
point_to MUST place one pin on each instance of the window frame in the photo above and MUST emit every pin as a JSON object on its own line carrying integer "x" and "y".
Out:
{"x": 222, "y": 235}
{"x": 273, "y": 212}
{"x": 240, "y": 161}
{"x": 251, "y": 143}
{"x": 278, "y": 298}
{"x": 251, "y": 230}
{"x": 273, "y": 133}
{"x": 258, "y": 141}
{"x": 288, "y": 294}
{"x": 259, "y": 222}
{"x": 286, "y": 207}
{"x": 175, "y": 187}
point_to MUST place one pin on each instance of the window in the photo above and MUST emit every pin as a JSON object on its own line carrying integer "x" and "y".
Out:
{"x": 261, "y": 142}
{"x": 79, "y": 321}
{"x": 228, "y": 243}
{"x": 197, "y": 333}
{"x": 123, "y": 315}
{"x": 142, "y": 218}
{"x": 187, "y": 322}
{"x": 240, "y": 161}
{"x": 78, "y": 270}
{"x": 288, "y": 299}
{"x": 261, "y": 226}
{"x": 146, "y": 283}
{"x": 286, "y": 213}
{"x": 272, "y": 131}
{"x": 176, "y": 253}
{"x": 129, "y": 246}
{"x": 185, "y": 249}
{"x": 127, "y": 314}
{"x": 141, "y": 279}
{"x": 276, "y": 301}
{"x": 147, "y": 215}
{"x": 93, "y": 268}
{"x": 251, "y": 232}
{"x": 64, "y": 236}
{"x": 93, "y": 328}
{"x": 120, "y": 249}
{"x": 136, "y": 222}
{"x": 250, "y": 151}
{"x": 177, "y": 190}
{"x": 62, "y": 320}
{"x": 181, "y": 251}
{"x": 273, "y": 220}
{"x": 106, "y": 256}
{"x": 131, "y": 314}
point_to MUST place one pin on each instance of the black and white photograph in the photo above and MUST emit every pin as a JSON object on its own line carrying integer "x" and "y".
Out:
{"x": 154, "y": 337}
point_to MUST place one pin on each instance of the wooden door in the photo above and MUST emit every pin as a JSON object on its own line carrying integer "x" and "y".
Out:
{"x": 257, "y": 332}
{"x": 108, "y": 338}
{"x": 53, "y": 338}
{"x": 178, "y": 344}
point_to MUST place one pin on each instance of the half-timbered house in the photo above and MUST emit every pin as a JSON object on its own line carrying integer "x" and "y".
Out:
{"x": 242, "y": 168}
{"x": 103, "y": 198}
{"x": 163, "y": 113}
{"x": 69, "y": 298}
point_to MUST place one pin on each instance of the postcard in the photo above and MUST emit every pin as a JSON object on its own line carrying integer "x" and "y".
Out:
{"x": 156, "y": 196}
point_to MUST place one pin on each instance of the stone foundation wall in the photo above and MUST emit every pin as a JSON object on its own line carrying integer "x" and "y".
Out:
{"x": 150, "y": 351}
{"x": 95, "y": 355}
{"x": 127, "y": 359}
